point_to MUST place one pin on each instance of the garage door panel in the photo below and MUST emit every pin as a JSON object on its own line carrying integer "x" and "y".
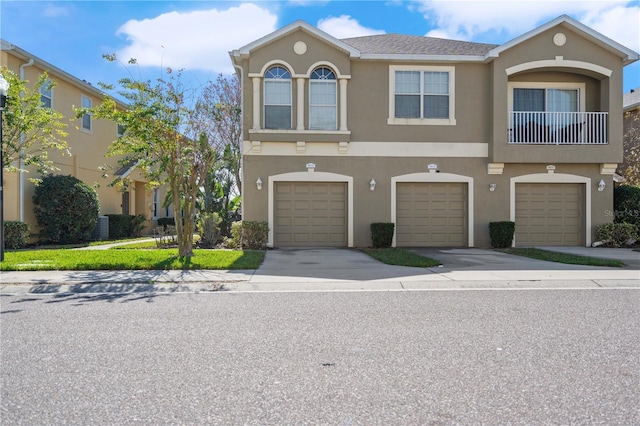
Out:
{"x": 431, "y": 214}
{"x": 310, "y": 214}
{"x": 550, "y": 214}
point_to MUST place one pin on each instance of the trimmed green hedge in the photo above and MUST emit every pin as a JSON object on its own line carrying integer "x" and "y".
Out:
{"x": 626, "y": 204}
{"x": 382, "y": 234}
{"x": 616, "y": 234}
{"x": 248, "y": 234}
{"x": 16, "y": 234}
{"x": 166, "y": 221}
{"x": 501, "y": 233}
{"x": 66, "y": 209}
{"x": 125, "y": 225}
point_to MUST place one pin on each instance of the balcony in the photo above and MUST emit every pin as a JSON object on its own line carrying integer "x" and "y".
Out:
{"x": 558, "y": 128}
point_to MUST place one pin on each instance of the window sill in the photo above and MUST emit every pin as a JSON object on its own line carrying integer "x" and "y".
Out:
{"x": 421, "y": 122}
{"x": 293, "y": 131}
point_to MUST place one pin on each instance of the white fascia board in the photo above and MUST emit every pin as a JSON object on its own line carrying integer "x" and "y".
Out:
{"x": 628, "y": 55}
{"x": 421, "y": 58}
{"x": 246, "y": 50}
{"x": 55, "y": 72}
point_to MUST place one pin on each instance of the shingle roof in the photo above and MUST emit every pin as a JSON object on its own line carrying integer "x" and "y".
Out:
{"x": 400, "y": 44}
{"x": 632, "y": 99}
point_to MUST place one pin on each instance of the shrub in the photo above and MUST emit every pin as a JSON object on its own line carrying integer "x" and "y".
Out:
{"x": 248, "y": 234}
{"x": 16, "y": 234}
{"x": 166, "y": 221}
{"x": 209, "y": 228}
{"x": 125, "y": 225}
{"x": 137, "y": 225}
{"x": 66, "y": 209}
{"x": 118, "y": 225}
{"x": 616, "y": 234}
{"x": 501, "y": 233}
{"x": 626, "y": 204}
{"x": 382, "y": 234}
{"x": 254, "y": 235}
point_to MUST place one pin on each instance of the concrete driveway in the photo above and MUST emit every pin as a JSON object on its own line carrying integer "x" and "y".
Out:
{"x": 317, "y": 265}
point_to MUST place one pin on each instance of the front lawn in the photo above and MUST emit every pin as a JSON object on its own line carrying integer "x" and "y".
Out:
{"x": 400, "y": 257}
{"x": 129, "y": 259}
{"x": 554, "y": 256}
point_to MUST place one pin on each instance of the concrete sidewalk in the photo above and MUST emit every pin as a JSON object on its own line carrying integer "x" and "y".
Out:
{"x": 339, "y": 269}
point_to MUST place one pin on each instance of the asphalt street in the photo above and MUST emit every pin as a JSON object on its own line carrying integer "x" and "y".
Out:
{"x": 476, "y": 356}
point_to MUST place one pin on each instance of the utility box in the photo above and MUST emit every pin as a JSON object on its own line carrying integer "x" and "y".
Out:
{"x": 101, "y": 232}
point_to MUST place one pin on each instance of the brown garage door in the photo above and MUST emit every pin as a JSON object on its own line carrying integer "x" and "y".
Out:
{"x": 550, "y": 214}
{"x": 431, "y": 214}
{"x": 310, "y": 214}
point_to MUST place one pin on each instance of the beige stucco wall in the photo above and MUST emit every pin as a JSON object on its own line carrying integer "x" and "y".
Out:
{"x": 375, "y": 206}
{"x": 87, "y": 154}
{"x": 603, "y": 94}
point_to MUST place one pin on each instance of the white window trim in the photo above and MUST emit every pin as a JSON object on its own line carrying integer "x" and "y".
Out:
{"x": 50, "y": 97}
{"x": 581, "y": 87}
{"x": 90, "y": 129}
{"x": 264, "y": 94}
{"x": 335, "y": 103}
{"x": 392, "y": 120}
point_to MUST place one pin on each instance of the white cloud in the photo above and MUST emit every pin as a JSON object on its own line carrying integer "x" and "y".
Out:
{"x": 620, "y": 23}
{"x": 308, "y": 2}
{"x": 505, "y": 19}
{"x": 345, "y": 26}
{"x": 55, "y": 11}
{"x": 198, "y": 40}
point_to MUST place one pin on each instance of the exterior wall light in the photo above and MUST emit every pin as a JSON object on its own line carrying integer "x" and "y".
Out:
{"x": 372, "y": 184}
{"x": 601, "y": 185}
{"x": 259, "y": 184}
{"x": 492, "y": 187}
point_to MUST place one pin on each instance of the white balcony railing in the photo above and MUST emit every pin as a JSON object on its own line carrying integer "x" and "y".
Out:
{"x": 561, "y": 128}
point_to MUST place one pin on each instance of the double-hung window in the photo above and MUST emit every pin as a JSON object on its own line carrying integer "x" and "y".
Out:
{"x": 421, "y": 95}
{"x": 86, "y": 118}
{"x": 323, "y": 99}
{"x": 46, "y": 94}
{"x": 277, "y": 98}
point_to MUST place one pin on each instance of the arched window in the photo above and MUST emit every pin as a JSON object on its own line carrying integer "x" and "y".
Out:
{"x": 277, "y": 98}
{"x": 323, "y": 99}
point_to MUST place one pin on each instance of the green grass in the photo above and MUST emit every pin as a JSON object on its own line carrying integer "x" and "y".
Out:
{"x": 129, "y": 259}
{"x": 400, "y": 257}
{"x": 553, "y": 256}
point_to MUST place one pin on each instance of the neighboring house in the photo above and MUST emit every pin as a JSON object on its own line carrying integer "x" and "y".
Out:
{"x": 88, "y": 142}
{"x": 631, "y": 128}
{"x": 440, "y": 137}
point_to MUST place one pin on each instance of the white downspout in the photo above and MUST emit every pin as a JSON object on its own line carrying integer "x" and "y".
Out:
{"x": 21, "y": 164}
{"x": 238, "y": 67}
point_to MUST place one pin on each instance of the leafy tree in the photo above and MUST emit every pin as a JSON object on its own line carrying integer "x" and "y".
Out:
{"x": 30, "y": 130}
{"x": 220, "y": 103}
{"x": 66, "y": 209}
{"x": 630, "y": 167}
{"x": 167, "y": 138}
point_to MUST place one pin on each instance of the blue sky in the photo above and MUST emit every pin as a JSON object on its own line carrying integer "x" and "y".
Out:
{"x": 197, "y": 35}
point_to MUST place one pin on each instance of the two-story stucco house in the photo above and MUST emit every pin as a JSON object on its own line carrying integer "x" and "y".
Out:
{"x": 88, "y": 140}
{"x": 440, "y": 137}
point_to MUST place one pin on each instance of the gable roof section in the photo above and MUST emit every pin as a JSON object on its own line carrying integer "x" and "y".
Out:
{"x": 408, "y": 47}
{"x": 56, "y": 72}
{"x": 295, "y": 26}
{"x": 400, "y": 44}
{"x": 631, "y": 100}
{"x": 627, "y": 55}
